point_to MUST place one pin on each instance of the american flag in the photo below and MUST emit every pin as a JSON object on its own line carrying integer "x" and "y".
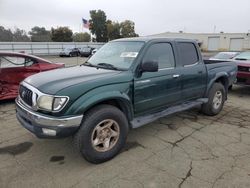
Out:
{"x": 85, "y": 23}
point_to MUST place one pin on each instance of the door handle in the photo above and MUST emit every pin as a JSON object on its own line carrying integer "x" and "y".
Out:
{"x": 176, "y": 76}
{"x": 200, "y": 72}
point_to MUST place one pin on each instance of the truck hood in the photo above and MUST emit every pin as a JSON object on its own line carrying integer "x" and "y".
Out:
{"x": 51, "y": 82}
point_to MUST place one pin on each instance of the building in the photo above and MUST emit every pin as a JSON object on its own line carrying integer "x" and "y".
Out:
{"x": 215, "y": 41}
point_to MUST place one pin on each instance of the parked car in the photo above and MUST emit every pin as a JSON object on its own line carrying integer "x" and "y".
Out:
{"x": 15, "y": 67}
{"x": 243, "y": 75}
{"x": 127, "y": 84}
{"x": 243, "y": 62}
{"x": 69, "y": 52}
{"x": 224, "y": 56}
{"x": 86, "y": 51}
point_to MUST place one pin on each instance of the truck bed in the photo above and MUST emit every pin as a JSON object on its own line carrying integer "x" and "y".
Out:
{"x": 229, "y": 68}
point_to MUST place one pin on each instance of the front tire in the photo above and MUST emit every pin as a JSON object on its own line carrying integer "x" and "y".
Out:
{"x": 216, "y": 99}
{"x": 102, "y": 134}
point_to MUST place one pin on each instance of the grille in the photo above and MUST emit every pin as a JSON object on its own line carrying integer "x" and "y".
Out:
{"x": 244, "y": 69}
{"x": 241, "y": 80}
{"x": 26, "y": 95}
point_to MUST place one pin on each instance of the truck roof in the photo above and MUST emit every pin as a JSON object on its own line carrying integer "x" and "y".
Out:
{"x": 147, "y": 39}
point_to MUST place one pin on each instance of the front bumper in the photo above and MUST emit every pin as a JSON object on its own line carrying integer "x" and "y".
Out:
{"x": 243, "y": 78}
{"x": 44, "y": 126}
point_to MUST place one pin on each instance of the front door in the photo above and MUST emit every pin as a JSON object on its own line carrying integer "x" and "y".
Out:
{"x": 155, "y": 90}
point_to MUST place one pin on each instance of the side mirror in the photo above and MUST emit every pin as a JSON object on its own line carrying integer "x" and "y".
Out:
{"x": 149, "y": 66}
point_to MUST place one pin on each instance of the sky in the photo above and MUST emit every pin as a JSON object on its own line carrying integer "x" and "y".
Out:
{"x": 150, "y": 16}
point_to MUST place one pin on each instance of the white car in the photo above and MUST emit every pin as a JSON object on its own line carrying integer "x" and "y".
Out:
{"x": 224, "y": 56}
{"x": 69, "y": 52}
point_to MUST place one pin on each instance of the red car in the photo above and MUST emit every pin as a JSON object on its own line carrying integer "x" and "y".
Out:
{"x": 243, "y": 75}
{"x": 15, "y": 67}
{"x": 243, "y": 62}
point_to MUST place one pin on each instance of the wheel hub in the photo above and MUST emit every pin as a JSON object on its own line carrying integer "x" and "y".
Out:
{"x": 105, "y": 135}
{"x": 217, "y": 101}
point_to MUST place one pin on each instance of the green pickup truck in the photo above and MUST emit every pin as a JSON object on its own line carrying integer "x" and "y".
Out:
{"x": 126, "y": 84}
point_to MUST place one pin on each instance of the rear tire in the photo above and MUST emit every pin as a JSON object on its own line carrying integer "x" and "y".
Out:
{"x": 216, "y": 99}
{"x": 102, "y": 134}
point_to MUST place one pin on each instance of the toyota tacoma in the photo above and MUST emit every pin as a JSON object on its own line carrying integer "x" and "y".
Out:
{"x": 126, "y": 84}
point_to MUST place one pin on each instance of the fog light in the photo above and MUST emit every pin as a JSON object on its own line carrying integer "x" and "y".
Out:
{"x": 49, "y": 132}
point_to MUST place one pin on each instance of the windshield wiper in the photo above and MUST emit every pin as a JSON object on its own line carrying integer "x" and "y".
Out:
{"x": 101, "y": 65}
{"x": 88, "y": 64}
{"x": 107, "y": 65}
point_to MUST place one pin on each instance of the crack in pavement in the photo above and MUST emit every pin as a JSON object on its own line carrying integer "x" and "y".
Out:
{"x": 187, "y": 175}
{"x": 222, "y": 174}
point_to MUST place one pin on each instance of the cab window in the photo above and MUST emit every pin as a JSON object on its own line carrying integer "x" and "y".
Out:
{"x": 187, "y": 53}
{"x": 161, "y": 53}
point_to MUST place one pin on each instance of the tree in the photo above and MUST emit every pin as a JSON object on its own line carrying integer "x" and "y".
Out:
{"x": 98, "y": 25}
{"x": 113, "y": 30}
{"x": 128, "y": 29}
{"x": 61, "y": 34}
{"x": 20, "y": 35}
{"x": 5, "y": 34}
{"x": 39, "y": 34}
{"x": 81, "y": 37}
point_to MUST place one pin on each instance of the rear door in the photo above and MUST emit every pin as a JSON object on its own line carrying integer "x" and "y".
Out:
{"x": 155, "y": 90}
{"x": 193, "y": 71}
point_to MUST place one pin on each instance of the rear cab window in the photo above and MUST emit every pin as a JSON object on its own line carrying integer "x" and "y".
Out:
{"x": 188, "y": 53}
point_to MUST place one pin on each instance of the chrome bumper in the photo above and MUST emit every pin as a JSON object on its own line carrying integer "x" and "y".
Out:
{"x": 41, "y": 120}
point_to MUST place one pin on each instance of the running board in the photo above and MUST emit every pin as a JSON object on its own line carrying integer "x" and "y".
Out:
{"x": 142, "y": 120}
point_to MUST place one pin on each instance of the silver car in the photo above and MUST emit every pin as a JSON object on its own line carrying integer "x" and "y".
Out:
{"x": 224, "y": 56}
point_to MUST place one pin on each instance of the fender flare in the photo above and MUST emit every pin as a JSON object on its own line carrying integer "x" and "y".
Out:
{"x": 83, "y": 104}
{"x": 222, "y": 75}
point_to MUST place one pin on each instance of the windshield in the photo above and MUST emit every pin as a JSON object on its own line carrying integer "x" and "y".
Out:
{"x": 225, "y": 55}
{"x": 243, "y": 56}
{"x": 120, "y": 54}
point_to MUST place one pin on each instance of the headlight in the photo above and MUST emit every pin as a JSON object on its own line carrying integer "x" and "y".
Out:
{"x": 51, "y": 103}
{"x": 59, "y": 102}
{"x": 45, "y": 102}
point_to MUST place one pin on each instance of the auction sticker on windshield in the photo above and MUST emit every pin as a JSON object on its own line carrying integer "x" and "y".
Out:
{"x": 129, "y": 54}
